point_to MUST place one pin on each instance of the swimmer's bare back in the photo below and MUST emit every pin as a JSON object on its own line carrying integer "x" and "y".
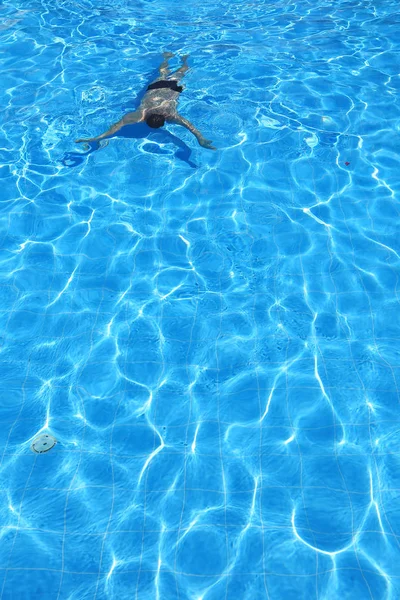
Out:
{"x": 159, "y": 104}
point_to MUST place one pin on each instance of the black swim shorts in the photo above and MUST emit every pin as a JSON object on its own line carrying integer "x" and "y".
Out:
{"x": 166, "y": 83}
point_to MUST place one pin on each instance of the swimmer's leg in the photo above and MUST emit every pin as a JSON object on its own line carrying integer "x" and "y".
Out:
{"x": 182, "y": 70}
{"x": 164, "y": 67}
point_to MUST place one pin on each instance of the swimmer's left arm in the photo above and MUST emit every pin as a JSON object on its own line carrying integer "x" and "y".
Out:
{"x": 200, "y": 138}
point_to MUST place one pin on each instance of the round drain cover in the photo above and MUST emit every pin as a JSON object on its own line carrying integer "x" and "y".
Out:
{"x": 43, "y": 443}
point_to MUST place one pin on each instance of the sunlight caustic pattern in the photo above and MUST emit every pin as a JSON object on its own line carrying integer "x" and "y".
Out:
{"x": 211, "y": 337}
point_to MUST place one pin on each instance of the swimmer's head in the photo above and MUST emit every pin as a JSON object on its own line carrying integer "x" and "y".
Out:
{"x": 155, "y": 121}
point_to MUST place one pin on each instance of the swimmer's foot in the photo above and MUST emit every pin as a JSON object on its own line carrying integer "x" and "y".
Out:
{"x": 164, "y": 67}
{"x": 182, "y": 70}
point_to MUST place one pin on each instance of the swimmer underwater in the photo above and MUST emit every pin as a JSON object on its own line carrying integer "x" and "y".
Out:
{"x": 159, "y": 105}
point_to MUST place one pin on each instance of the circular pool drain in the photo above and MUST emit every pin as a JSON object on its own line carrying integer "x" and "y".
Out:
{"x": 43, "y": 443}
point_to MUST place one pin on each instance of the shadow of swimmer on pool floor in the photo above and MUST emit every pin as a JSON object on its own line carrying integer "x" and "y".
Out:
{"x": 158, "y": 105}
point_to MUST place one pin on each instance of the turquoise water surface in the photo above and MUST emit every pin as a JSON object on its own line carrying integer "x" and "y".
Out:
{"x": 213, "y": 337}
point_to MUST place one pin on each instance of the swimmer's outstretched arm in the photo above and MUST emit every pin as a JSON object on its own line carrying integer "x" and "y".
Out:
{"x": 129, "y": 119}
{"x": 200, "y": 138}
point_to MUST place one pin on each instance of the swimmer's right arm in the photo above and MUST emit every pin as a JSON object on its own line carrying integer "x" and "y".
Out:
{"x": 129, "y": 119}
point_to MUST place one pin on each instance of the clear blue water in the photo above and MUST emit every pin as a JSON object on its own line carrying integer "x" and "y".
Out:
{"x": 212, "y": 337}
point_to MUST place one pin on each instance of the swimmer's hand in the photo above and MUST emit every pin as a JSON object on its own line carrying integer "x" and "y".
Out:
{"x": 206, "y": 144}
{"x": 202, "y": 140}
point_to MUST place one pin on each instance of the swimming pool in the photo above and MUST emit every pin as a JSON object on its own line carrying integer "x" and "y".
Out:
{"x": 211, "y": 337}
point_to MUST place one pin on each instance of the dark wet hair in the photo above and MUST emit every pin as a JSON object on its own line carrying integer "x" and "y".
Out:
{"x": 155, "y": 121}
